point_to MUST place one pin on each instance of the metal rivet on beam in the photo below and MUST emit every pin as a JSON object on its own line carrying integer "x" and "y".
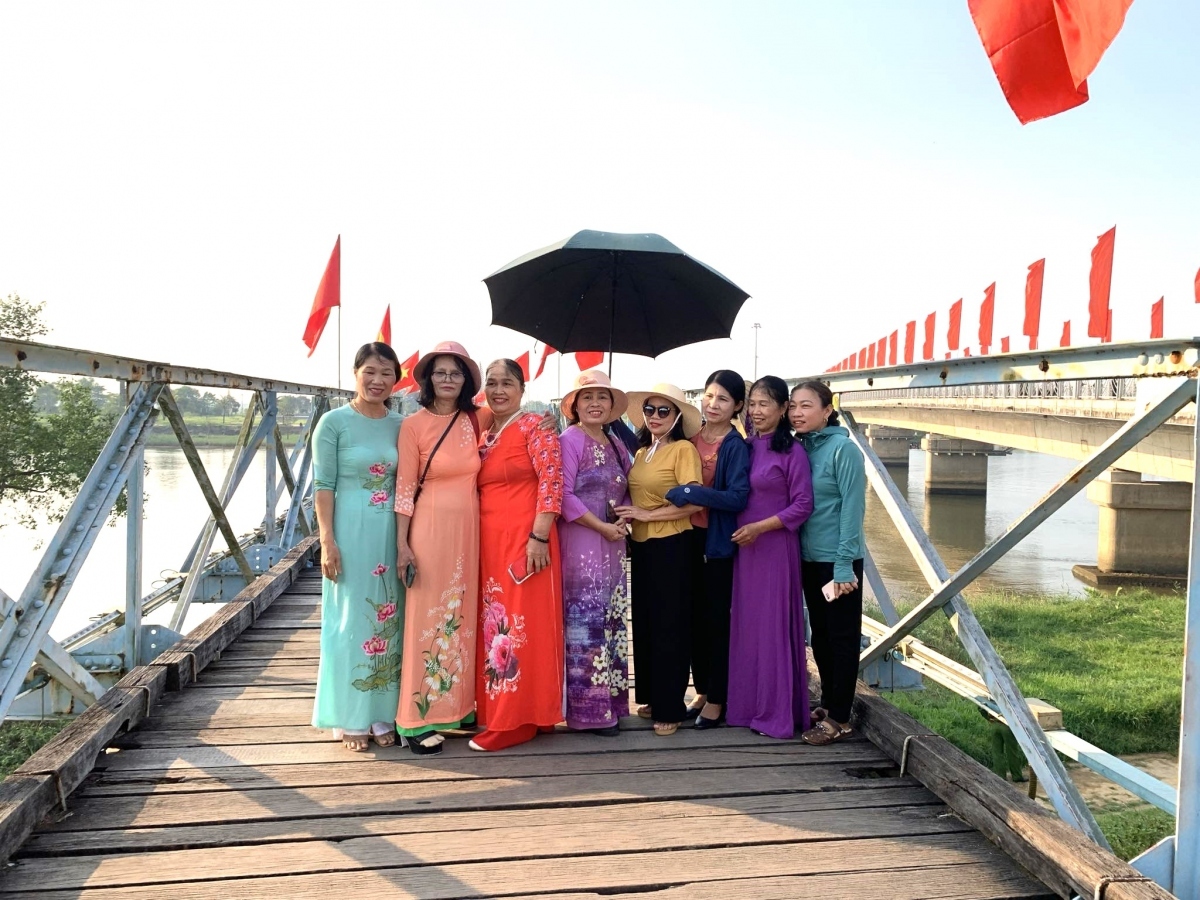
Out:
{"x": 23, "y": 632}
{"x": 112, "y": 467}
{"x": 38, "y": 604}
{"x": 6, "y": 663}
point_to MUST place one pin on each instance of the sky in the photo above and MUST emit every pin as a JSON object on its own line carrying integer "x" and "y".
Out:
{"x": 173, "y": 176}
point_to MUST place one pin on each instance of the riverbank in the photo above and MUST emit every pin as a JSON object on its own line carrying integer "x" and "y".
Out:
{"x": 1113, "y": 663}
{"x": 208, "y": 434}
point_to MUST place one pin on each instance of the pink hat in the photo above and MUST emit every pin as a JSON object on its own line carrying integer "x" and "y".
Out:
{"x": 594, "y": 378}
{"x": 448, "y": 348}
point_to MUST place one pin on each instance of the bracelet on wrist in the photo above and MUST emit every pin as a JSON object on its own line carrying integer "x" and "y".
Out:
{"x": 540, "y": 540}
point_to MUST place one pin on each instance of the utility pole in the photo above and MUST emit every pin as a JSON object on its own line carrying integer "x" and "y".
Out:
{"x": 757, "y": 326}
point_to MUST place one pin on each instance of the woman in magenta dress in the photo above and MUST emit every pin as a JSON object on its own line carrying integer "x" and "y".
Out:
{"x": 768, "y": 681}
{"x": 595, "y": 593}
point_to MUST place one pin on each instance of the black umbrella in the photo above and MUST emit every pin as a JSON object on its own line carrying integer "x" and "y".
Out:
{"x": 624, "y": 293}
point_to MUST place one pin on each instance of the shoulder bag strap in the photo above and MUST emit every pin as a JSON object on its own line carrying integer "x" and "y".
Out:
{"x": 432, "y": 454}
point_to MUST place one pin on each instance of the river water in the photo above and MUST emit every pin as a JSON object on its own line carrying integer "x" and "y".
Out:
{"x": 960, "y": 526}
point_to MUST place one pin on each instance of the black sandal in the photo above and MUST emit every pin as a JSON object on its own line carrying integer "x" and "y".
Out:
{"x": 426, "y": 743}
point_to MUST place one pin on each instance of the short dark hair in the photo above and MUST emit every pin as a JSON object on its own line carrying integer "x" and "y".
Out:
{"x": 377, "y": 350}
{"x": 824, "y": 394}
{"x": 511, "y": 366}
{"x": 776, "y": 388}
{"x": 466, "y": 394}
{"x": 645, "y": 438}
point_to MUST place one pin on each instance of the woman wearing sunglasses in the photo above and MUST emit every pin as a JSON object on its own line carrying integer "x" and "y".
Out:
{"x": 768, "y": 682}
{"x": 725, "y": 463}
{"x": 659, "y": 553}
{"x": 437, "y": 533}
{"x": 520, "y": 640}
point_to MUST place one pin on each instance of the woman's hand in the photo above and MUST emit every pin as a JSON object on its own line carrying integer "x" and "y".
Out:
{"x": 748, "y": 534}
{"x": 331, "y": 560}
{"x": 614, "y": 531}
{"x": 404, "y": 556}
{"x": 537, "y": 555}
{"x": 846, "y": 587}
{"x": 632, "y": 513}
{"x": 549, "y": 422}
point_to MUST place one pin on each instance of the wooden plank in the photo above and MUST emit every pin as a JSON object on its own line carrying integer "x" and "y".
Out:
{"x": 572, "y": 790}
{"x": 889, "y": 858}
{"x": 49, "y": 776}
{"x": 260, "y": 676}
{"x": 618, "y": 759}
{"x": 972, "y": 881}
{"x": 187, "y": 658}
{"x": 502, "y": 841}
{"x": 199, "y": 694}
{"x": 289, "y": 625}
{"x": 303, "y": 614}
{"x": 223, "y": 737}
{"x": 271, "y": 636}
{"x": 338, "y": 828}
{"x": 249, "y": 654}
{"x": 244, "y": 776}
{"x": 1054, "y": 852}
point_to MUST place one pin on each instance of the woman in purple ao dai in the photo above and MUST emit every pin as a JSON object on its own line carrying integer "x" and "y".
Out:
{"x": 768, "y": 682}
{"x": 592, "y": 542}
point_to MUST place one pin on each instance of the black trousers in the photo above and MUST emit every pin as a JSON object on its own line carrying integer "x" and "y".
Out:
{"x": 712, "y": 596}
{"x": 836, "y": 636}
{"x": 662, "y": 623}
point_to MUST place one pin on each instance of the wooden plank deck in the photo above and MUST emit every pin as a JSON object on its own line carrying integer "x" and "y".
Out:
{"x": 224, "y": 791}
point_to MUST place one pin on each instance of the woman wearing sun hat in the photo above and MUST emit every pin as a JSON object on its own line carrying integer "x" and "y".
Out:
{"x": 659, "y": 555}
{"x": 592, "y": 540}
{"x": 437, "y": 532}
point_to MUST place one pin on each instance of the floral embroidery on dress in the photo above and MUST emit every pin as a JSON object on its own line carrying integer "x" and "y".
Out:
{"x": 382, "y": 648}
{"x": 380, "y": 482}
{"x": 447, "y": 657}
{"x": 503, "y": 635}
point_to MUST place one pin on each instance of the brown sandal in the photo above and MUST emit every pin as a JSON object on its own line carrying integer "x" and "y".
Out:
{"x": 826, "y": 732}
{"x": 644, "y": 711}
{"x": 817, "y": 714}
{"x": 665, "y": 729}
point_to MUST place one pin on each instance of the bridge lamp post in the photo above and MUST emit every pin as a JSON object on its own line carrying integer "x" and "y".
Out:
{"x": 756, "y": 326}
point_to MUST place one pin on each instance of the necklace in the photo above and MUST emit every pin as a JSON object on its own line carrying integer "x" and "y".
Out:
{"x": 355, "y": 405}
{"x": 493, "y": 437}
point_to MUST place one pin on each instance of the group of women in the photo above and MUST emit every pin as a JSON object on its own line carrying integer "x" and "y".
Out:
{"x": 475, "y": 560}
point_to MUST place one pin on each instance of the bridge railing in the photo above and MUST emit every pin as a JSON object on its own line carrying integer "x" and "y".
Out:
{"x": 1148, "y": 385}
{"x": 39, "y": 674}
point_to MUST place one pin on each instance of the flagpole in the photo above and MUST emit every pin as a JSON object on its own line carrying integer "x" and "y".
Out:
{"x": 339, "y": 343}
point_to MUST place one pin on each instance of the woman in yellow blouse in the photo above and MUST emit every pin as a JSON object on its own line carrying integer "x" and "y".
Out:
{"x": 661, "y": 595}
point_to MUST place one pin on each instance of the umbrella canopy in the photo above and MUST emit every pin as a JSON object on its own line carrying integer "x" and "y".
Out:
{"x": 624, "y": 293}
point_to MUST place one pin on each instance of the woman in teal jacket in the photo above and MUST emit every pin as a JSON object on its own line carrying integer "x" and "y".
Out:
{"x": 831, "y": 545}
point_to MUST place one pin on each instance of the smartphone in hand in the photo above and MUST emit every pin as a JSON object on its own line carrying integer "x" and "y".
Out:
{"x": 519, "y": 571}
{"x": 410, "y": 575}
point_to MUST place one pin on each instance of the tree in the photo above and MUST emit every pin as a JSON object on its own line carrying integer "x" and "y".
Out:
{"x": 208, "y": 404}
{"x": 187, "y": 399}
{"x": 228, "y": 406}
{"x": 45, "y": 458}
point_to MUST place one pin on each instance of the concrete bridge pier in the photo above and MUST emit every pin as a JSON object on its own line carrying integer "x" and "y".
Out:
{"x": 956, "y": 465}
{"x": 1144, "y": 529}
{"x": 891, "y": 445}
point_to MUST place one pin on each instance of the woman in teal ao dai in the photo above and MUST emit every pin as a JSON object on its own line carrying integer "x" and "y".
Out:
{"x": 362, "y": 599}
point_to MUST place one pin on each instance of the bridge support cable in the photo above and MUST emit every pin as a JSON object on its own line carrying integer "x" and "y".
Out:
{"x": 24, "y": 631}
{"x": 166, "y": 400}
{"x": 879, "y": 589}
{"x": 1187, "y": 818}
{"x": 240, "y": 464}
{"x": 1063, "y": 794}
{"x": 946, "y": 587}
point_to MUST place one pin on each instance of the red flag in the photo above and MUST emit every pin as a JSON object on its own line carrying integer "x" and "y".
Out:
{"x": 871, "y": 356}
{"x": 1004, "y": 345}
{"x": 589, "y": 359}
{"x": 1099, "y": 283}
{"x": 927, "y": 349}
{"x": 1042, "y": 51}
{"x": 892, "y": 341}
{"x": 881, "y": 352}
{"x": 966, "y": 351}
{"x": 1156, "y": 319}
{"x": 1198, "y": 285}
{"x": 987, "y": 312}
{"x": 1065, "y": 340}
{"x": 1107, "y": 339}
{"x": 479, "y": 399}
{"x": 523, "y": 362}
{"x": 862, "y": 358}
{"x": 546, "y": 351}
{"x": 955, "y": 325}
{"x": 385, "y": 328}
{"x": 1033, "y": 302}
{"x": 910, "y": 341}
{"x": 329, "y": 295}
{"x": 406, "y": 382}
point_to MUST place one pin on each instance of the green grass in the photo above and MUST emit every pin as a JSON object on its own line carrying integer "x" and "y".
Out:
{"x": 1111, "y": 662}
{"x": 20, "y": 740}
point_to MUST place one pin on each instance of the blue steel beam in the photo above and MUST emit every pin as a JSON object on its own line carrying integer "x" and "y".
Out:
{"x": 1124, "y": 440}
{"x": 1187, "y": 820}
{"x": 31, "y": 356}
{"x": 1142, "y": 359}
{"x": 51, "y": 581}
